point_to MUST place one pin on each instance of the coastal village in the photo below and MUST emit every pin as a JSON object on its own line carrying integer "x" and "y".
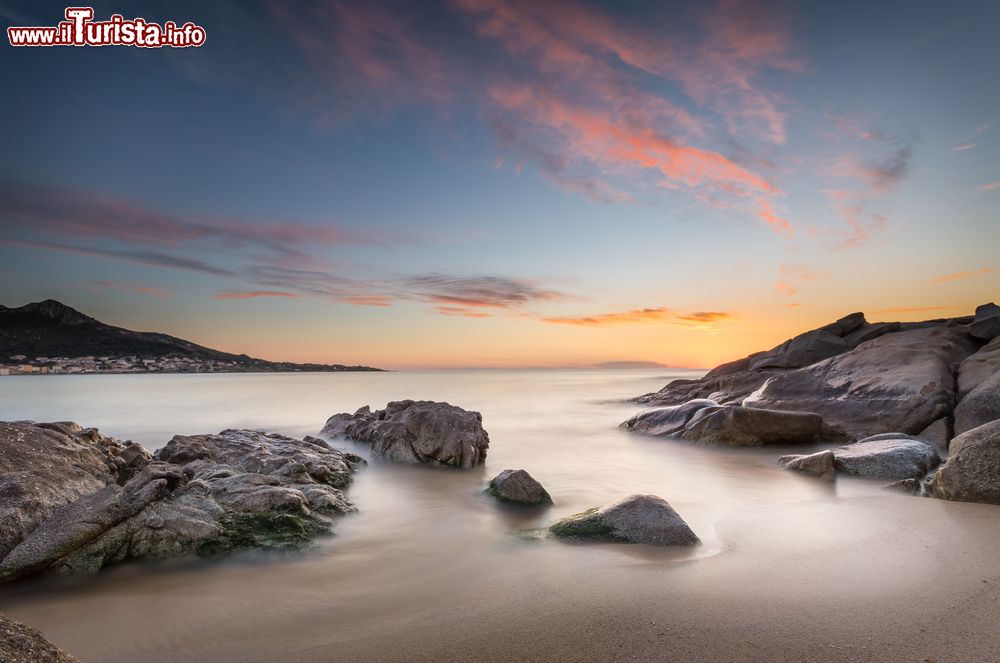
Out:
{"x": 23, "y": 365}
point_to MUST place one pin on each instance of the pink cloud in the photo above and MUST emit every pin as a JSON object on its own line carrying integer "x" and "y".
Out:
{"x": 989, "y": 187}
{"x": 254, "y": 294}
{"x": 791, "y": 276}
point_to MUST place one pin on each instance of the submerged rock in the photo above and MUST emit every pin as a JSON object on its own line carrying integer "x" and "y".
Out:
{"x": 890, "y": 456}
{"x": 416, "y": 432}
{"x": 518, "y": 487}
{"x": 972, "y": 471}
{"x": 200, "y": 495}
{"x": 644, "y": 519}
{"x": 819, "y": 464}
{"x": 905, "y": 486}
{"x": 20, "y": 643}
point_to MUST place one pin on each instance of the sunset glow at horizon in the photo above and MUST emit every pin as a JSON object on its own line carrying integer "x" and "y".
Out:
{"x": 506, "y": 183}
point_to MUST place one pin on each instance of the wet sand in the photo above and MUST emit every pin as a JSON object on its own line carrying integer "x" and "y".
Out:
{"x": 860, "y": 579}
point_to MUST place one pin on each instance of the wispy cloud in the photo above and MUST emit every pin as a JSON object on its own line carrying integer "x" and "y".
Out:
{"x": 661, "y": 315}
{"x": 151, "y": 291}
{"x": 989, "y": 187}
{"x": 254, "y": 294}
{"x": 964, "y": 147}
{"x": 958, "y": 276}
{"x": 792, "y": 275}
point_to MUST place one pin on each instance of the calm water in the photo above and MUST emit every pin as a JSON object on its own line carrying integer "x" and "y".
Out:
{"x": 424, "y": 539}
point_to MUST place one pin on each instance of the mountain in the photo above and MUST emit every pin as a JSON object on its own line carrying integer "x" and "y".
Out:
{"x": 52, "y": 329}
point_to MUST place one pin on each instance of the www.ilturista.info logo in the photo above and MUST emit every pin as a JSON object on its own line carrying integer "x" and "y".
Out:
{"x": 80, "y": 29}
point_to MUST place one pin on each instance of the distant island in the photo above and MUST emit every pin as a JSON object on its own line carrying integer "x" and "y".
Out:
{"x": 49, "y": 337}
{"x": 630, "y": 364}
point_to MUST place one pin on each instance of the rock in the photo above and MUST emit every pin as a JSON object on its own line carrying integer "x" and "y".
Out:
{"x": 972, "y": 471}
{"x": 22, "y": 644}
{"x": 731, "y": 367}
{"x": 868, "y": 332}
{"x": 986, "y": 323}
{"x": 669, "y": 420}
{"x": 735, "y": 426}
{"x": 644, "y": 519}
{"x": 890, "y": 456}
{"x": 46, "y": 466}
{"x": 979, "y": 368}
{"x": 416, "y": 432}
{"x": 803, "y": 350}
{"x": 897, "y": 382}
{"x": 200, "y": 495}
{"x": 938, "y": 434}
{"x": 846, "y": 325}
{"x": 518, "y": 487}
{"x": 981, "y": 406}
{"x": 819, "y": 464}
{"x": 905, "y": 486}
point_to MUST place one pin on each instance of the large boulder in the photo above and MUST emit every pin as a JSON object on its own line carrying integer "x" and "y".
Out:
{"x": 416, "y": 432}
{"x": 972, "y": 471}
{"x": 890, "y": 457}
{"x": 518, "y": 487}
{"x": 981, "y": 406}
{"x": 897, "y": 382}
{"x": 735, "y": 426}
{"x": 986, "y": 323}
{"x": 200, "y": 495}
{"x": 644, "y": 519}
{"x": 20, "y": 643}
{"x": 819, "y": 464}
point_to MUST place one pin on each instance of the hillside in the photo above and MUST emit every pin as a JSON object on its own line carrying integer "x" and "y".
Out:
{"x": 51, "y": 329}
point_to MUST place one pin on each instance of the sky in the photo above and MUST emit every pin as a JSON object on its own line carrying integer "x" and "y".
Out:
{"x": 506, "y": 183}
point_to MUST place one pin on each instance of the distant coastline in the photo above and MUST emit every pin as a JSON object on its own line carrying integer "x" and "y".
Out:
{"x": 50, "y": 338}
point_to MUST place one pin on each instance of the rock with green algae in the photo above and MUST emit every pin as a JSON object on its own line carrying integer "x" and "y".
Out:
{"x": 645, "y": 519}
{"x": 202, "y": 495}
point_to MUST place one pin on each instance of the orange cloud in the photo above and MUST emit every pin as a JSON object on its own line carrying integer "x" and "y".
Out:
{"x": 663, "y": 315}
{"x": 957, "y": 276}
{"x": 253, "y": 294}
{"x": 458, "y": 311}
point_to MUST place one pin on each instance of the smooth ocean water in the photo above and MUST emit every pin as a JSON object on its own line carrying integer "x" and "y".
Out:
{"x": 424, "y": 540}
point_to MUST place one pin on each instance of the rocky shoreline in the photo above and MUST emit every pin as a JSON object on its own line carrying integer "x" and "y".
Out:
{"x": 907, "y": 397}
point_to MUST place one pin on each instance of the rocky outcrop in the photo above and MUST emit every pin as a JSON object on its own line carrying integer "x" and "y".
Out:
{"x": 644, "y": 519}
{"x": 416, "y": 432}
{"x": 898, "y": 382}
{"x": 46, "y": 466}
{"x": 22, "y": 644}
{"x": 889, "y": 456}
{"x": 703, "y": 421}
{"x": 972, "y": 471}
{"x": 986, "y": 323}
{"x": 200, "y": 495}
{"x": 819, "y": 464}
{"x": 518, "y": 487}
{"x": 732, "y": 382}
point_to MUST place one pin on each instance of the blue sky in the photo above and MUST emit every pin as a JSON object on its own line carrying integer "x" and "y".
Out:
{"x": 493, "y": 182}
